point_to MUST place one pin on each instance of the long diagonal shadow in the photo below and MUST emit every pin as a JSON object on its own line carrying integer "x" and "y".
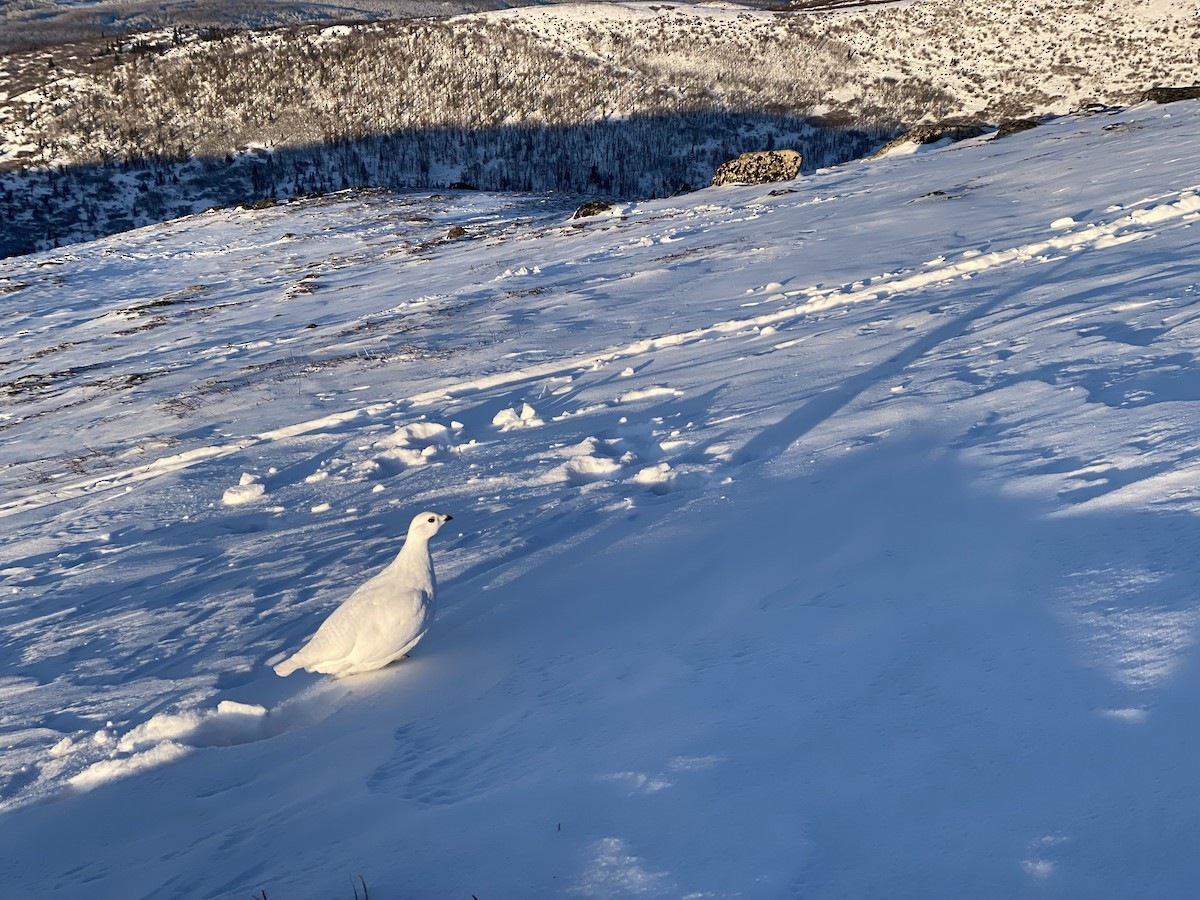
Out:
{"x": 825, "y": 405}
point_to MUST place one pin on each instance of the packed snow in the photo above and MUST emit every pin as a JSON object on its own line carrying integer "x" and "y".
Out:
{"x": 826, "y": 539}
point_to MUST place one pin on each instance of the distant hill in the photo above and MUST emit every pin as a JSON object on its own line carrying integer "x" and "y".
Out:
{"x": 38, "y": 24}
{"x": 624, "y": 100}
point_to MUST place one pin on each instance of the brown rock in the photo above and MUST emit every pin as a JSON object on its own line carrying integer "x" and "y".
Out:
{"x": 1171, "y": 94}
{"x": 760, "y": 167}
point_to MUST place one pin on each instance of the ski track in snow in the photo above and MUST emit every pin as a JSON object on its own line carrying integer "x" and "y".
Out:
{"x": 194, "y": 473}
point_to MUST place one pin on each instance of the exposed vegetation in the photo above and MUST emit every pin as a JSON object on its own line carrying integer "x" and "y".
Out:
{"x": 612, "y": 102}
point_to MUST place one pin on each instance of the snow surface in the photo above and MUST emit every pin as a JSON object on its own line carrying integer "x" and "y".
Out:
{"x": 837, "y": 541}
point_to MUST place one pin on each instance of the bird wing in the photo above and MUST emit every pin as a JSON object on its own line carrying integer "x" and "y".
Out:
{"x": 378, "y": 622}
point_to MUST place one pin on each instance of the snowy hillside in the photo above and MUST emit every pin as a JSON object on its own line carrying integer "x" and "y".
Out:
{"x": 831, "y": 540}
{"x": 617, "y": 100}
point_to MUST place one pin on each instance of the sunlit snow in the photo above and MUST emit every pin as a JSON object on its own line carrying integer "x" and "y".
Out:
{"x": 836, "y": 541}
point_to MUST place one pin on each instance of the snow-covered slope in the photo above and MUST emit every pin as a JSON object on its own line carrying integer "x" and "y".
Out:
{"x": 832, "y": 540}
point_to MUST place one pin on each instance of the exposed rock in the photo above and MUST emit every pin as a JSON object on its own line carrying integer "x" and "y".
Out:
{"x": 456, "y": 231}
{"x": 760, "y": 167}
{"x": 591, "y": 208}
{"x": 1095, "y": 109}
{"x": 931, "y": 133}
{"x": 1171, "y": 94}
{"x": 462, "y": 186}
{"x": 1012, "y": 126}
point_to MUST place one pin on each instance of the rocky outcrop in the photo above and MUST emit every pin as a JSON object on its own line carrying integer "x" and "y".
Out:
{"x": 931, "y": 133}
{"x": 1171, "y": 94}
{"x": 591, "y": 208}
{"x": 1013, "y": 126}
{"x": 760, "y": 167}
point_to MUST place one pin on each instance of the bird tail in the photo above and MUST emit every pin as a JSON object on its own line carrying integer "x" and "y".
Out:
{"x": 287, "y": 667}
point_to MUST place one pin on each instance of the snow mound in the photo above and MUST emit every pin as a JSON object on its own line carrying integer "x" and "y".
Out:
{"x": 249, "y": 489}
{"x": 512, "y": 419}
{"x": 415, "y": 444}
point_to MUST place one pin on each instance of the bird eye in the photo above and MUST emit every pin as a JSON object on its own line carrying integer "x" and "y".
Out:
{"x": 431, "y": 518}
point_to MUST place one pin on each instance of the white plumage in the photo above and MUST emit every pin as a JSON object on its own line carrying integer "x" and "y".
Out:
{"x": 384, "y": 618}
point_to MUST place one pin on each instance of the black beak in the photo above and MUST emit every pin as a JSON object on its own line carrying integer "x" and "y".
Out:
{"x": 448, "y": 518}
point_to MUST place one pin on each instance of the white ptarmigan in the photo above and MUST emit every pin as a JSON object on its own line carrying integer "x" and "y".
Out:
{"x": 384, "y": 618}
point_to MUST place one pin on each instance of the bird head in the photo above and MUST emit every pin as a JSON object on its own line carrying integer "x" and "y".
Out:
{"x": 426, "y": 524}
